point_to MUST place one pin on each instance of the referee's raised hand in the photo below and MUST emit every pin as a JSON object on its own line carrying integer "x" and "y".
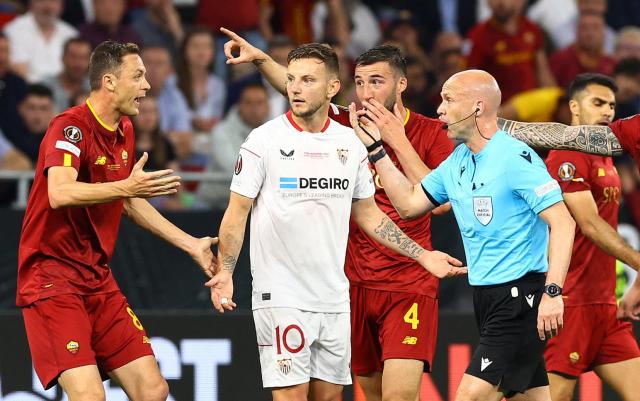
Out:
{"x": 550, "y": 315}
{"x": 142, "y": 184}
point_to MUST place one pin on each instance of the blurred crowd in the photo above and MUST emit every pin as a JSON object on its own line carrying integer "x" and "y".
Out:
{"x": 199, "y": 109}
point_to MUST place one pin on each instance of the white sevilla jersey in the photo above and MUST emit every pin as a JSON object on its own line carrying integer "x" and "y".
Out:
{"x": 303, "y": 185}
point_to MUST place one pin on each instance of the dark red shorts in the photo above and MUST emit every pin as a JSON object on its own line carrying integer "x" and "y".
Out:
{"x": 389, "y": 325}
{"x": 591, "y": 336}
{"x": 71, "y": 330}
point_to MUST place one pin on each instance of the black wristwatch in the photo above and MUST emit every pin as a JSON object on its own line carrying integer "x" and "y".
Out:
{"x": 552, "y": 290}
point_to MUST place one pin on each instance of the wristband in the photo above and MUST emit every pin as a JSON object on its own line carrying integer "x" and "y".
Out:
{"x": 374, "y": 146}
{"x": 377, "y": 156}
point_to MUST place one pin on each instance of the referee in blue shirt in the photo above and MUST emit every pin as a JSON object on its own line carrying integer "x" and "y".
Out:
{"x": 516, "y": 230}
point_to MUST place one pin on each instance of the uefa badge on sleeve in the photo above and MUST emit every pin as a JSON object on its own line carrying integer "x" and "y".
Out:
{"x": 343, "y": 154}
{"x": 72, "y": 134}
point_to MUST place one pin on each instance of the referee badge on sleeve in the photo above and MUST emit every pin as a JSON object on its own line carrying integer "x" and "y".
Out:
{"x": 483, "y": 209}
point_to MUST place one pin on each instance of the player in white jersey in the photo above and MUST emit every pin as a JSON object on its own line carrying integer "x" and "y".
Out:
{"x": 302, "y": 175}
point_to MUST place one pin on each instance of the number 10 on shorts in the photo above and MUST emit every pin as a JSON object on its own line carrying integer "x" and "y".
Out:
{"x": 280, "y": 341}
{"x": 411, "y": 317}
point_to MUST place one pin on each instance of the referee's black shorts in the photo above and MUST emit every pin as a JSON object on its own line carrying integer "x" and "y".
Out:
{"x": 510, "y": 353}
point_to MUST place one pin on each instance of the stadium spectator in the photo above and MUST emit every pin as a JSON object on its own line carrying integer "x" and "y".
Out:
{"x": 11, "y": 158}
{"x": 159, "y": 25}
{"x": 627, "y": 43}
{"x": 587, "y": 54}
{"x": 242, "y": 17}
{"x": 108, "y": 24}
{"x": 12, "y": 89}
{"x": 627, "y": 77}
{"x": 36, "y": 111}
{"x": 37, "y": 39}
{"x": 621, "y": 13}
{"x": 417, "y": 85}
{"x": 509, "y": 46}
{"x": 251, "y": 111}
{"x": 405, "y": 33}
{"x": 288, "y": 17}
{"x": 205, "y": 92}
{"x": 557, "y": 19}
{"x": 173, "y": 107}
{"x": 74, "y": 79}
{"x": 356, "y": 29}
{"x": 150, "y": 139}
{"x": 447, "y": 59}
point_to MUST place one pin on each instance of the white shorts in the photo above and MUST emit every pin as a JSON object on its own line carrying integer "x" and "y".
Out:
{"x": 296, "y": 346}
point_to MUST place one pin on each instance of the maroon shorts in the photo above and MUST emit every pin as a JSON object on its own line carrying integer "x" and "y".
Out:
{"x": 389, "y": 325}
{"x": 592, "y": 336}
{"x": 71, "y": 330}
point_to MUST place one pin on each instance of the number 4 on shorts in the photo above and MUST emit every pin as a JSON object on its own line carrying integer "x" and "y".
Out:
{"x": 411, "y": 316}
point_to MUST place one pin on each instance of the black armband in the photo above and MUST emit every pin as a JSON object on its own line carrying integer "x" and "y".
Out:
{"x": 374, "y": 146}
{"x": 377, "y": 156}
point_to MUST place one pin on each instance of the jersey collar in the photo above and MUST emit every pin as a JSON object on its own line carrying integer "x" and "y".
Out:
{"x": 95, "y": 115}
{"x": 299, "y": 128}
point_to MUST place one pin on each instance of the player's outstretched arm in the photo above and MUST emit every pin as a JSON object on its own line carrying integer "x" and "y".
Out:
{"x": 408, "y": 199}
{"x": 561, "y": 233}
{"x": 146, "y": 216}
{"x": 584, "y": 210}
{"x": 595, "y": 139}
{"x": 65, "y": 191}
{"x": 275, "y": 73}
{"x": 231, "y": 237}
{"x": 380, "y": 227}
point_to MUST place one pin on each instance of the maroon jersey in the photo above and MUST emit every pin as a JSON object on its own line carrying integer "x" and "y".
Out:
{"x": 509, "y": 58}
{"x": 592, "y": 273}
{"x": 66, "y": 250}
{"x": 627, "y": 130}
{"x": 371, "y": 265}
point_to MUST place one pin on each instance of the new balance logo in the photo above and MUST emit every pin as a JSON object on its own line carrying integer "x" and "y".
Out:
{"x": 484, "y": 363}
{"x": 409, "y": 340}
{"x": 529, "y": 299}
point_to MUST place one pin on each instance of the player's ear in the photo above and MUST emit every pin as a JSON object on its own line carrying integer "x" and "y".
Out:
{"x": 402, "y": 84}
{"x": 574, "y": 107}
{"x": 334, "y": 87}
{"x": 108, "y": 81}
{"x": 478, "y": 108}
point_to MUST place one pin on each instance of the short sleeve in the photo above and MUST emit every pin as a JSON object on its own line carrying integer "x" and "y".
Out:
{"x": 627, "y": 130}
{"x": 433, "y": 184}
{"x": 364, "y": 187}
{"x": 530, "y": 181}
{"x": 249, "y": 171}
{"x": 571, "y": 169}
{"x": 64, "y": 143}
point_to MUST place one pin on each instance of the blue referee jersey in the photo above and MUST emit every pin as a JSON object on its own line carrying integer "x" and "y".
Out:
{"x": 496, "y": 196}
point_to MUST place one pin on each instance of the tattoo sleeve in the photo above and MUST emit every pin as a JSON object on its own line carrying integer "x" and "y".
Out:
{"x": 594, "y": 139}
{"x": 388, "y": 232}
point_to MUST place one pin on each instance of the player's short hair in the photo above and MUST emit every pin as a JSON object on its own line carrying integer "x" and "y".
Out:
{"x": 581, "y": 82}
{"x": 316, "y": 51}
{"x": 76, "y": 40}
{"x": 107, "y": 58}
{"x": 384, "y": 53}
{"x": 39, "y": 90}
{"x": 629, "y": 67}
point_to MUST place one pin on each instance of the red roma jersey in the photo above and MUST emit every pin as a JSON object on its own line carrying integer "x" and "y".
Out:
{"x": 371, "y": 265}
{"x": 627, "y": 130}
{"x": 509, "y": 58}
{"x": 67, "y": 250}
{"x": 592, "y": 273}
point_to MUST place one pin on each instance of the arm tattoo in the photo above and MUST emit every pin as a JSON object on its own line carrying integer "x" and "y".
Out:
{"x": 595, "y": 139}
{"x": 229, "y": 263}
{"x": 388, "y": 231}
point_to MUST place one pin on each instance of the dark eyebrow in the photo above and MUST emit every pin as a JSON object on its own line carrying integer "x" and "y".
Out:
{"x": 603, "y": 100}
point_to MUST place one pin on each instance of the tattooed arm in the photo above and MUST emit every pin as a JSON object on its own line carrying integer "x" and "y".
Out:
{"x": 231, "y": 237}
{"x": 595, "y": 139}
{"x": 381, "y": 228}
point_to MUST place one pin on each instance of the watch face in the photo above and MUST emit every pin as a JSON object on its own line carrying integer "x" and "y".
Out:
{"x": 553, "y": 290}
